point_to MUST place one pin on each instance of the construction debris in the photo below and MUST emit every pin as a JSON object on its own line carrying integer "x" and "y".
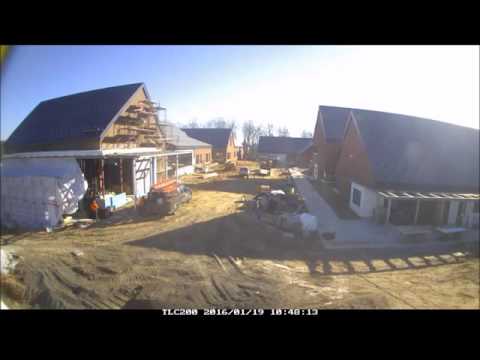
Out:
{"x": 209, "y": 175}
{"x": 283, "y": 209}
{"x": 309, "y": 224}
{"x": 77, "y": 253}
{"x": 278, "y": 201}
{"x": 219, "y": 262}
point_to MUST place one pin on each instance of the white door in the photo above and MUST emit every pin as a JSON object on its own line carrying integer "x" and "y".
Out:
{"x": 143, "y": 176}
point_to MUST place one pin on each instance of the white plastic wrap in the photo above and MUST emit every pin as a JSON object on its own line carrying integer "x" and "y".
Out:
{"x": 35, "y": 193}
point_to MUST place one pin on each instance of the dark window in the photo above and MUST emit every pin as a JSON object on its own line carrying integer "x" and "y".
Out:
{"x": 356, "y": 197}
{"x": 475, "y": 206}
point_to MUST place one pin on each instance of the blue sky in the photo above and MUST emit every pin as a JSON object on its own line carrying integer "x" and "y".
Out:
{"x": 282, "y": 85}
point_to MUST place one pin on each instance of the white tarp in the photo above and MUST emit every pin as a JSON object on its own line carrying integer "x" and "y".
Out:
{"x": 35, "y": 193}
{"x": 7, "y": 262}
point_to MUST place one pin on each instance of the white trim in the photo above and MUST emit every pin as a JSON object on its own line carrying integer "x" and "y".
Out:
{"x": 94, "y": 153}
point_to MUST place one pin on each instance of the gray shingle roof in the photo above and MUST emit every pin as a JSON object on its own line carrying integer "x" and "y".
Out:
{"x": 78, "y": 116}
{"x": 410, "y": 152}
{"x": 334, "y": 120}
{"x": 283, "y": 145}
{"x": 217, "y": 137}
{"x": 180, "y": 139}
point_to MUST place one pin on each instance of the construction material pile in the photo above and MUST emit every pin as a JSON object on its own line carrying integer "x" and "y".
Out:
{"x": 285, "y": 210}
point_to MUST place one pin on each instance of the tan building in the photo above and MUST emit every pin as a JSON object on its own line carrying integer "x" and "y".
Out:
{"x": 221, "y": 140}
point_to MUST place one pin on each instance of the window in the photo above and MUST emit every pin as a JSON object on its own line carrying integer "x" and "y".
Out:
{"x": 356, "y": 197}
{"x": 475, "y": 206}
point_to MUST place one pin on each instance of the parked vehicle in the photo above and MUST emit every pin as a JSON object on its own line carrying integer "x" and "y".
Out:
{"x": 265, "y": 167}
{"x": 165, "y": 203}
{"x": 244, "y": 172}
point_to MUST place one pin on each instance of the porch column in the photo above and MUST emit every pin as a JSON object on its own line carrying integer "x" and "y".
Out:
{"x": 120, "y": 165}
{"x": 176, "y": 169}
{"x": 389, "y": 209}
{"x": 166, "y": 168}
{"x": 441, "y": 212}
{"x": 134, "y": 182}
{"x": 417, "y": 209}
{"x": 102, "y": 176}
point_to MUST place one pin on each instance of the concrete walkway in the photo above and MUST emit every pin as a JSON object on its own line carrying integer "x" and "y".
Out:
{"x": 358, "y": 233}
{"x": 361, "y": 233}
{"x": 326, "y": 217}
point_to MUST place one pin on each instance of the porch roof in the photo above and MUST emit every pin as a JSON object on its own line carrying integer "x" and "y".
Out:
{"x": 96, "y": 154}
{"x": 410, "y": 195}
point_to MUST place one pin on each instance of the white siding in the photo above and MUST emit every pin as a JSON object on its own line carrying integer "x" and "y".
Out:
{"x": 368, "y": 201}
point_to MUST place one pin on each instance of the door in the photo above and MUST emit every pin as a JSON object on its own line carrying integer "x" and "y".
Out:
{"x": 143, "y": 176}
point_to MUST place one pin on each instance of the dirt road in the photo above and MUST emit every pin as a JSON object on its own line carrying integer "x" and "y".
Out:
{"x": 216, "y": 253}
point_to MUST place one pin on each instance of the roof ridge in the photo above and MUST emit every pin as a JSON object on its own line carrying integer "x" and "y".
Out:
{"x": 93, "y": 90}
{"x": 413, "y": 117}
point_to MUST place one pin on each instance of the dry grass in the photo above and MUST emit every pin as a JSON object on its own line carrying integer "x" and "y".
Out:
{"x": 11, "y": 289}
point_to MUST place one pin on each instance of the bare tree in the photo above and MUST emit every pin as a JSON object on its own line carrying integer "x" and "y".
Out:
{"x": 219, "y": 122}
{"x": 269, "y": 130}
{"x": 193, "y": 124}
{"x": 251, "y": 133}
{"x": 307, "y": 134}
{"x": 283, "y": 131}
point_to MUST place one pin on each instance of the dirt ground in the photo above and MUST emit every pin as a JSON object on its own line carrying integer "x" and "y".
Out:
{"x": 216, "y": 252}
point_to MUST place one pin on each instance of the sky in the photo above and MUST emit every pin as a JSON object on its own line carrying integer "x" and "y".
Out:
{"x": 283, "y": 85}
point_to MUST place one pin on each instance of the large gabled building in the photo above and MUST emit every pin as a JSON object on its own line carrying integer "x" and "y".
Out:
{"x": 114, "y": 133}
{"x": 409, "y": 170}
{"x": 328, "y": 139}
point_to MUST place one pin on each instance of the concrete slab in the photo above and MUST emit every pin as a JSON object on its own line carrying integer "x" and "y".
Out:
{"x": 359, "y": 233}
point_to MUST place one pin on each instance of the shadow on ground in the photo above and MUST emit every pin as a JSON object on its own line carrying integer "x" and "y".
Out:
{"x": 339, "y": 205}
{"x": 242, "y": 235}
{"x": 236, "y": 184}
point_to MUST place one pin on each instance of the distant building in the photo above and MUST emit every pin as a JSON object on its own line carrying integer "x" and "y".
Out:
{"x": 177, "y": 139}
{"x": 285, "y": 151}
{"x": 222, "y": 142}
